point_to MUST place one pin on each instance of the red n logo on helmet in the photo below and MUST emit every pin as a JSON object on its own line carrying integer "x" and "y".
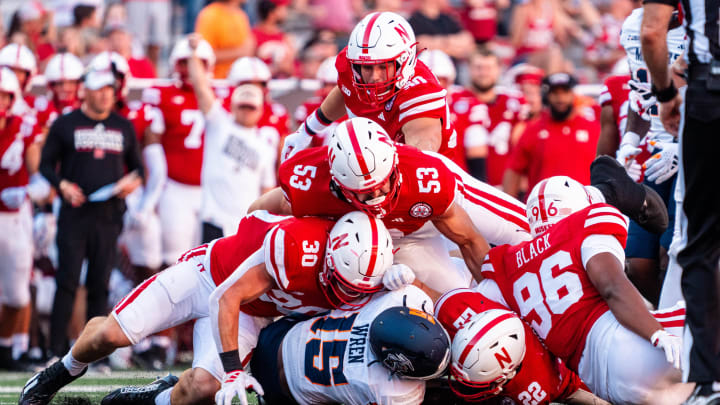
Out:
{"x": 503, "y": 357}
{"x": 339, "y": 241}
{"x": 402, "y": 32}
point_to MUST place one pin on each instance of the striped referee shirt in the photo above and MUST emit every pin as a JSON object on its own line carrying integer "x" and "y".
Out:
{"x": 702, "y": 23}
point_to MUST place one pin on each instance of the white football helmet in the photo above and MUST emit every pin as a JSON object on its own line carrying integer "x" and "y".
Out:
{"x": 553, "y": 199}
{"x": 439, "y": 63}
{"x": 362, "y": 160}
{"x": 9, "y": 84}
{"x": 63, "y": 66}
{"x": 382, "y": 38}
{"x": 17, "y": 56}
{"x": 359, "y": 251}
{"x": 182, "y": 50}
{"x": 327, "y": 73}
{"x": 486, "y": 353}
{"x": 248, "y": 69}
{"x": 115, "y": 63}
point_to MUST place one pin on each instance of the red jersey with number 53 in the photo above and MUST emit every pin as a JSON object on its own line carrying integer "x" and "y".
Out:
{"x": 422, "y": 97}
{"x": 543, "y": 377}
{"x": 427, "y": 188}
{"x": 176, "y": 116}
{"x": 544, "y": 279}
{"x": 294, "y": 252}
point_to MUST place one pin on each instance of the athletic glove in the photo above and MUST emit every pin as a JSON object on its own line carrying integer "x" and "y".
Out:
{"x": 641, "y": 98}
{"x": 295, "y": 142}
{"x": 234, "y": 385}
{"x": 628, "y": 150}
{"x": 664, "y": 164}
{"x": 671, "y": 344}
{"x": 397, "y": 276}
{"x": 13, "y": 197}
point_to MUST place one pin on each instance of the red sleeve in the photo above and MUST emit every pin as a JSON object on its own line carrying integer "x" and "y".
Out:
{"x": 607, "y": 220}
{"x": 430, "y": 181}
{"x": 456, "y": 307}
{"x": 423, "y": 97}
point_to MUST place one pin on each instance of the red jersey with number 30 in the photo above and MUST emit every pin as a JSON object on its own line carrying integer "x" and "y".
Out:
{"x": 427, "y": 188}
{"x": 542, "y": 379}
{"x": 182, "y": 126}
{"x": 544, "y": 279}
{"x": 294, "y": 252}
{"x": 422, "y": 97}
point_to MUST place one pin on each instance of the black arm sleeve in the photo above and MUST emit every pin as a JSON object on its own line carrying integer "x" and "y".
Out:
{"x": 50, "y": 155}
{"x": 478, "y": 168}
{"x": 666, "y": 2}
{"x": 133, "y": 159}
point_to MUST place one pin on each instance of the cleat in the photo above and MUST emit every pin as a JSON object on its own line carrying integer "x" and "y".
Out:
{"x": 638, "y": 201}
{"x": 704, "y": 394}
{"x": 42, "y": 387}
{"x": 143, "y": 395}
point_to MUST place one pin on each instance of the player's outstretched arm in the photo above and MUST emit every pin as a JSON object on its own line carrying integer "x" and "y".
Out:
{"x": 582, "y": 397}
{"x": 273, "y": 201}
{"x": 424, "y": 133}
{"x": 199, "y": 78}
{"x": 334, "y": 105}
{"x": 457, "y": 226}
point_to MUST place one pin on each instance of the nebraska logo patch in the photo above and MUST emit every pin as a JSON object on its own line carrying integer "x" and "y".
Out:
{"x": 420, "y": 210}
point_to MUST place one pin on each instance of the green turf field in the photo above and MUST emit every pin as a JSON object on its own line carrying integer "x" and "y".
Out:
{"x": 93, "y": 386}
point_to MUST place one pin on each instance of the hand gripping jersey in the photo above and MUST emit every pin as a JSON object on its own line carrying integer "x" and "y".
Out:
{"x": 615, "y": 91}
{"x": 18, "y": 135}
{"x": 427, "y": 188}
{"x": 182, "y": 125}
{"x": 329, "y": 359}
{"x": 630, "y": 40}
{"x": 545, "y": 282}
{"x": 492, "y": 124}
{"x": 542, "y": 379}
{"x": 421, "y": 97}
{"x": 294, "y": 257}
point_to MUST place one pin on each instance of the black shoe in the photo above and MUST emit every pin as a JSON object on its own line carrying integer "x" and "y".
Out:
{"x": 638, "y": 201}
{"x": 704, "y": 395}
{"x": 42, "y": 387}
{"x": 144, "y": 395}
{"x": 153, "y": 358}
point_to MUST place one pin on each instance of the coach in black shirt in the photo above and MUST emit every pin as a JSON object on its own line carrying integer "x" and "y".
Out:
{"x": 92, "y": 158}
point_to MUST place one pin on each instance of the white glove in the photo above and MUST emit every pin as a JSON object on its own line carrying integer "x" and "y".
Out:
{"x": 234, "y": 385}
{"x": 671, "y": 344}
{"x": 634, "y": 170}
{"x": 626, "y": 154}
{"x": 13, "y": 197}
{"x": 295, "y": 142}
{"x": 664, "y": 164}
{"x": 641, "y": 98}
{"x": 397, "y": 276}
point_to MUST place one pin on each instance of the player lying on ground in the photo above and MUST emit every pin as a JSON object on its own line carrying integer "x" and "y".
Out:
{"x": 233, "y": 287}
{"x": 381, "y": 353}
{"x": 569, "y": 284}
{"x": 494, "y": 353}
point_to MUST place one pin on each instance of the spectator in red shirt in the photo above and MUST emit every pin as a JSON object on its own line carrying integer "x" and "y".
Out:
{"x": 274, "y": 46}
{"x": 27, "y": 27}
{"x": 120, "y": 40}
{"x": 560, "y": 142}
{"x": 480, "y": 17}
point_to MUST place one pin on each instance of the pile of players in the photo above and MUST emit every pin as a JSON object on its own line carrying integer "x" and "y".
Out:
{"x": 547, "y": 315}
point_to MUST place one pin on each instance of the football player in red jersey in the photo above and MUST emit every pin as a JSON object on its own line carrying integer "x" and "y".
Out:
{"x": 63, "y": 73}
{"x": 569, "y": 284}
{"x": 178, "y": 128}
{"x": 490, "y": 343}
{"x": 494, "y": 121}
{"x": 327, "y": 76}
{"x": 19, "y": 159}
{"x": 21, "y": 60}
{"x": 613, "y": 114}
{"x": 408, "y": 188}
{"x": 232, "y": 288}
{"x": 379, "y": 78}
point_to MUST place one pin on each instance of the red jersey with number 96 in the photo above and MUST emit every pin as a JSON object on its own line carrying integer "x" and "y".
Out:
{"x": 542, "y": 379}
{"x": 427, "y": 188}
{"x": 176, "y": 116}
{"x": 294, "y": 254}
{"x": 544, "y": 279}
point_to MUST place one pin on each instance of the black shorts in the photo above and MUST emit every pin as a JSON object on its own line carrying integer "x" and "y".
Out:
{"x": 264, "y": 362}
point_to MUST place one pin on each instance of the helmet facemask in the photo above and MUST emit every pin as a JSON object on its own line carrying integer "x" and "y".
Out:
{"x": 339, "y": 292}
{"x": 379, "y": 206}
{"x": 384, "y": 90}
{"x": 473, "y": 391}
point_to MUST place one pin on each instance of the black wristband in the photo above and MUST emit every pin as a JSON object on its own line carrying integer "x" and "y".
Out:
{"x": 665, "y": 95}
{"x": 322, "y": 117}
{"x": 231, "y": 361}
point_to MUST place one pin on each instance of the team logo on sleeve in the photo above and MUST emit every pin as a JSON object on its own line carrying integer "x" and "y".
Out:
{"x": 421, "y": 210}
